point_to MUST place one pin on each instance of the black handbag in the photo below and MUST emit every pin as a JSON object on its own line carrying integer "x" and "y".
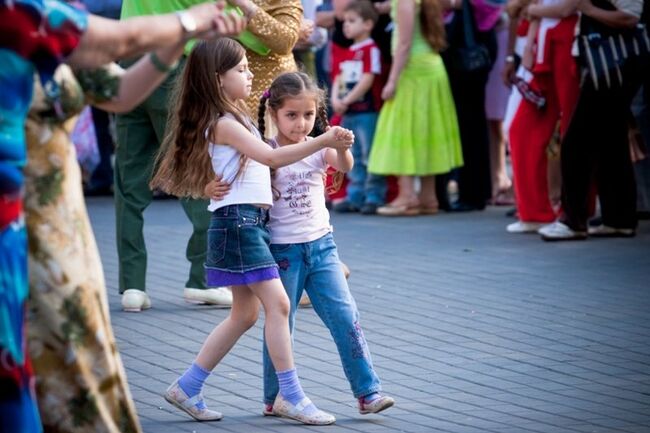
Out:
{"x": 472, "y": 56}
{"x": 604, "y": 51}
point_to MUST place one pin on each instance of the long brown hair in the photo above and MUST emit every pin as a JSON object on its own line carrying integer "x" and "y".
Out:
{"x": 293, "y": 85}
{"x": 431, "y": 22}
{"x": 183, "y": 164}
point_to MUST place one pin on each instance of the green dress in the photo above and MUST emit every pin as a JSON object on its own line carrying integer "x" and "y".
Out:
{"x": 417, "y": 131}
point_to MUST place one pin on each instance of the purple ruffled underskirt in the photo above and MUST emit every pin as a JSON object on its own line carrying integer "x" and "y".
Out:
{"x": 217, "y": 278}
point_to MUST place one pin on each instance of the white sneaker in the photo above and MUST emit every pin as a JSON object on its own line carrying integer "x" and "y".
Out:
{"x": 134, "y": 300}
{"x": 560, "y": 232}
{"x": 523, "y": 227}
{"x": 604, "y": 231}
{"x": 221, "y": 296}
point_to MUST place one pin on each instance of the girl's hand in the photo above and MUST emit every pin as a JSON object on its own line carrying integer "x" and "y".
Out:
{"x": 339, "y": 107}
{"x": 216, "y": 189}
{"x": 388, "y": 92}
{"x": 339, "y": 138}
{"x": 528, "y": 59}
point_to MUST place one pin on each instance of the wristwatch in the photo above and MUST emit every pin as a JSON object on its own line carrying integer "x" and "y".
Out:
{"x": 510, "y": 58}
{"x": 187, "y": 22}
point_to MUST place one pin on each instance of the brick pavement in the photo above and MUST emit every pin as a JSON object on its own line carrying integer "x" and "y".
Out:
{"x": 471, "y": 329}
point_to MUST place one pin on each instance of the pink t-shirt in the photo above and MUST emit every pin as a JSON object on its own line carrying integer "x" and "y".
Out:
{"x": 299, "y": 214}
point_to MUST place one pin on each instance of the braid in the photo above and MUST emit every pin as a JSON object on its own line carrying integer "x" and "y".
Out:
{"x": 261, "y": 112}
{"x": 323, "y": 123}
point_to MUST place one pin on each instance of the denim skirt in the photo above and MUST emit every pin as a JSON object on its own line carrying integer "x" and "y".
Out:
{"x": 238, "y": 247}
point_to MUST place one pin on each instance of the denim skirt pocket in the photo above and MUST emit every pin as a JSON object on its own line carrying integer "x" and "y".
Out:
{"x": 216, "y": 245}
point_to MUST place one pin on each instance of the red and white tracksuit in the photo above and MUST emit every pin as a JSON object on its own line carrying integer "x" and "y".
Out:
{"x": 555, "y": 75}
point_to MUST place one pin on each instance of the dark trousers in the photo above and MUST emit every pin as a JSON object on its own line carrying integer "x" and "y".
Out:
{"x": 596, "y": 148}
{"x": 468, "y": 89}
{"x": 102, "y": 177}
{"x": 139, "y": 134}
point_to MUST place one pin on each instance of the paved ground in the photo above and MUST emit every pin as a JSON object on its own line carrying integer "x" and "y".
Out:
{"x": 471, "y": 330}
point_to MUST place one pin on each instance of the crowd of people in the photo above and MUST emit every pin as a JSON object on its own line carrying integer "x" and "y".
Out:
{"x": 403, "y": 105}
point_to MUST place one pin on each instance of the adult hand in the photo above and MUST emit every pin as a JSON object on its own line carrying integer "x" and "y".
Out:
{"x": 216, "y": 189}
{"x": 221, "y": 23}
{"x": 304, "y": 34}
{"x": 528, "y": 58}
{"x": 388, "y": 92}
{"x": 247, "y": 7}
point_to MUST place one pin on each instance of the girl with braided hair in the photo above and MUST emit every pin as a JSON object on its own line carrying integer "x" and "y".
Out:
{"x": 301, "y": 236}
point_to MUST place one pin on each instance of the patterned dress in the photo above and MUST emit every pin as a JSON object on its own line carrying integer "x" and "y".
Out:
{"x": 80, "y": 380}
{"x": 34, "y": 37}
{"x": 276, "y": 24}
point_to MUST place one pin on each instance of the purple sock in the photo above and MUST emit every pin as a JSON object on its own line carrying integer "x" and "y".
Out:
{"x": 191, "y": 382}
{"x": 291, "y": 390}
{"x": 370, "y": 397}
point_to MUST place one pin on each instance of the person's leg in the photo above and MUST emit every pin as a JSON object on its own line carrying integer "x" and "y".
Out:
{"x": 292, "y": 273}
{"x": 293, "y": 402}
{"x": 185, "y": 393}
{"x": 427, "y": 195}
{"x": 332, "y": 301}
{"x": 198, "y": 214}
{"x": 375, "y": 185}
{"x": 101, "y": 180}
{"x": 530, "y": 133}
{"x": 136, "y": 146}
{"x": 501, "y": 183}
{"x": 357, "y": 176}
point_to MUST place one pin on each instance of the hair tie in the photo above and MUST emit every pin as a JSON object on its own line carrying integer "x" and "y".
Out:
{"x": 266, "y": 94}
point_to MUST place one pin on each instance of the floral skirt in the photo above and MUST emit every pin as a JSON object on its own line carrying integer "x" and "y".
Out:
{"x": 80, "y": 380}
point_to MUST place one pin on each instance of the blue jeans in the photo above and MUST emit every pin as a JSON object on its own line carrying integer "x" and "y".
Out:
{"x": 315, "y": 267}
{"x": 364, "y": 187}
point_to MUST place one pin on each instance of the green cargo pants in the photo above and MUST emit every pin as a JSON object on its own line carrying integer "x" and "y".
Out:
{"x": 139, "y": 134}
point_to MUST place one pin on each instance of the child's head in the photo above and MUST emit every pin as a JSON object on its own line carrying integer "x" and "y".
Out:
{"x": 359, "y": 17}
{"x": 214, "y": 82}
{"x": 295, "y": 103}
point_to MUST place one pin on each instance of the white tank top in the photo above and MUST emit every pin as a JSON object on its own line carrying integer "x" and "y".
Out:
{"x": 252, "y": 186}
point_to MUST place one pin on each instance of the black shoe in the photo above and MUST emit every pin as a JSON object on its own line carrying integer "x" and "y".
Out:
{"x": 511, "y": 213}
{"x": 369, "y": 209}
{"x": 460, "y": 206}
{"x": 345, "y": 207}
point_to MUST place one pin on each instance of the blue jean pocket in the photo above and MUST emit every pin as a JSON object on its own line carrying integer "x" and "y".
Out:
{"x": 216, "y": 245}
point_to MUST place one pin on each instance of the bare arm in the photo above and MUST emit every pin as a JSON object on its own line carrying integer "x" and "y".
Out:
{"x": 405, "y": 21}
{"x": 341, "y": 160}
{"x": 615, "y": 19}
{"x": 361, "y": 88}
{"x": 234, "y": 134}
{"x": 325, "y": 19}
{"x": 106, "y": 40}
{"x": 277, "y": 27}
{"x": 560, "y": 9}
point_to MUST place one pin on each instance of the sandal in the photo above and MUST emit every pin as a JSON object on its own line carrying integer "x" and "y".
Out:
{"x": 398, "y": 210}
{"x": 376, "y": 405}
{"x": 177, "y": 397}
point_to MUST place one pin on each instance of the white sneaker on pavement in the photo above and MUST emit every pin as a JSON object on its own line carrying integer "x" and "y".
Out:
{"x": 221, "y": 296}
{"x": 523, "y": 227}
{"x": 560, "y": 232}
{"x": 135, "y": 300}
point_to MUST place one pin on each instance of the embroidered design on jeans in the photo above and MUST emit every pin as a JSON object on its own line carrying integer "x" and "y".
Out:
{"x": 283, "y": 263}
{"x": 358, "y": 341}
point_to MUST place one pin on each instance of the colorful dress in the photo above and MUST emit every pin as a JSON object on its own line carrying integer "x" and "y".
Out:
{"x": 35, "y": 36}
{"x": 417, "y": 131}
{"x": 80, "y": 380}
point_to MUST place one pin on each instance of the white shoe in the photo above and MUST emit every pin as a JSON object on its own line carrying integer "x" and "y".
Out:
{"x": 221, "y": 296}
{"x": 523, "y": 227}
{"x": 134, "y": 300}
{"x": 283, "y": 408}
{"x": 177, "y": 397}
{"x": 604, "y": 231}
{"x": 560, "y": 232}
